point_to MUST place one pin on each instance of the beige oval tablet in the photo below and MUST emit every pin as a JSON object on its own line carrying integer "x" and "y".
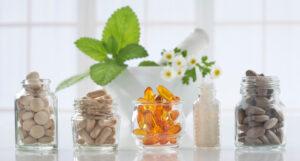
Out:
{"x": 34, "y": 84}
{"x": 95, "y": 132}
{"x": 27, "y": 115}
{"x": 25, "y": 100}
{"x": 90, "y": 124}
{"x": 29, "y": 140}
{"x": 37, "y": 104}
{"x": 37, "y": 131}
{"x": 28, "y": 124}
{"x": 41, "y": 117}
{"x": 33, "y": 75}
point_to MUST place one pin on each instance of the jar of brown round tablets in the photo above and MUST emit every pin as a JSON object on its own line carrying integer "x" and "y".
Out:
{"x": 36, "y": 115}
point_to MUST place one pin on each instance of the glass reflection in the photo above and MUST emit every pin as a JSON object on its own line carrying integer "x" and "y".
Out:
{"x": 94, "y": 156}
{"x": 36, "y": 155}
{"x": 206, "y": 154}
{"x": 264, "y": 155}
{"x": 158, "y": 156}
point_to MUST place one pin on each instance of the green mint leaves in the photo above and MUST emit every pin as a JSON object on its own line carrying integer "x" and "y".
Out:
{"x": 124, "y": 26}
{"x": 111, "y": 46}
{"x": 104, "y": 73}
{"x": 92, "y": 48}
{"x": 131, "y": 51}
{"x": 119, "y": 43}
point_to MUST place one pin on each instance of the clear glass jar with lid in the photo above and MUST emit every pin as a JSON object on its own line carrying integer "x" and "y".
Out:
{"x": 95, "y": 122}
{"x": 35, "y": 115}
{"x": 259, "y": 115}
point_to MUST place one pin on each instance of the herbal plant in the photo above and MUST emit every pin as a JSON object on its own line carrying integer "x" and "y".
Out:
{"x": 179, "y": 64}
{"x": 119, "y": 43}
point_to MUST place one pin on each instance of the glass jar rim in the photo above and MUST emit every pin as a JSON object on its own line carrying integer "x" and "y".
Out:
{"x": 157, "y": 103}
{"x": 44, "y": 81}
{"x": 273, "y": 77}
{"x": 260, "y": 85}
{"x": 260, "y": 81}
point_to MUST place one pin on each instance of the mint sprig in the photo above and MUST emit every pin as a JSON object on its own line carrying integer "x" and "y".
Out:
{"x": 119, "y": 44}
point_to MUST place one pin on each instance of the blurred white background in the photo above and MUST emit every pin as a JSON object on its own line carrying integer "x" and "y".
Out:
{"x": 259, "y": 34}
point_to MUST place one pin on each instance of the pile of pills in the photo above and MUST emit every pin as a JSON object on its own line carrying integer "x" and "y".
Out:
{"x": 260, "y": 120}
{"x": 35, "y": 113}
{"x": 96, "y": 123}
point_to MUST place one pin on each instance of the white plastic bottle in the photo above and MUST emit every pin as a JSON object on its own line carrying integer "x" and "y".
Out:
{"x": 206, "y": 117}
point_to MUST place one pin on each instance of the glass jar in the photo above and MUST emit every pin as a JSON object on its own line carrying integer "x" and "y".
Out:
{"x": 206, "y": 117}
{"x": 94, "y": 129}
{"x": 36, "y": 116}
{"x": 156, "y": 125}
{"x": 259, "y": 117}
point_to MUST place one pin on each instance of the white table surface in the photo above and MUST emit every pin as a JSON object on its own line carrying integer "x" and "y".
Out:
{"x": 227, "y": 151}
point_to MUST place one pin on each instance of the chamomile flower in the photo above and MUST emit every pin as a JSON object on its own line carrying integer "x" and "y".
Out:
{"x": 168, "y": 73}
{"x": 192, "y": 61}
{"x": 216, "y": 72}
{"x": 179, "y": 62}
{"x": 168, "y": 56}
{"x": 180, "y": 72}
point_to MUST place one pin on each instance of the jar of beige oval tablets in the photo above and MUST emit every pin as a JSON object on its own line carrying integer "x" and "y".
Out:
{"x": 95, "y": 122}
{"x": 35, "y": 115}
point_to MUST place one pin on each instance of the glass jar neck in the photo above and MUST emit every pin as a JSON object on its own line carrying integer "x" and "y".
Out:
{"x": 40, "y": 84}
{"x": 260, "y": 85}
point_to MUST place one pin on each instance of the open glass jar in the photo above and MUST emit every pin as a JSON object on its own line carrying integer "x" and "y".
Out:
{"x": 259, "y": 116}
{"x": 157, "y": 125}
{"x": 95, "y": 124}
{"x": 36, "y": 116}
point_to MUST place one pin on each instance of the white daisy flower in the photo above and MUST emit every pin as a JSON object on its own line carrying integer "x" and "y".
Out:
{"x": 168, "y": 56}
{"x": 179, "y": 62}
{"x": 180, "y": 72}
{"x": 192, "y": 61}
{"x": 168, "y": 74}
{"x": 216, "y": 72}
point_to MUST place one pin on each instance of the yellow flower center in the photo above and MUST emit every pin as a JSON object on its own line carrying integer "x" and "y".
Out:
{"x": 193, "y": 61}
{"x": 169, "y": 56}
{"x": 217, "y": 72}
{"x": 168, "y": 74}
{"x": 178, "y": 63}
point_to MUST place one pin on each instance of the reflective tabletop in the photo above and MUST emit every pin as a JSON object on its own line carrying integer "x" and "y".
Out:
{"x": 127, "y": 150}
{"x": 134, "y": 155}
